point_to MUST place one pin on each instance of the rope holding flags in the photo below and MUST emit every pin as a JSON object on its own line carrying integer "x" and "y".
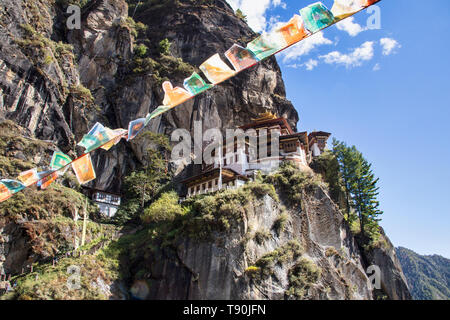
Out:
{"x": 312, "y": 19}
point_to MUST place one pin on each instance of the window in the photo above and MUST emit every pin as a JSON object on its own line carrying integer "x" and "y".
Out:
{"x": 210, "y": 184}
{"x": 198, "y": 188}
{"x": 237, "y": 158}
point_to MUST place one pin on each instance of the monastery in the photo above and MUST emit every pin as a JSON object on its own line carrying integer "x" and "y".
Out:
{"x": 237, "y": 166}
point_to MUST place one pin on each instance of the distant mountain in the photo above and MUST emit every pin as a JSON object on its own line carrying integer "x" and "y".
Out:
{"x": 428, "y": 276}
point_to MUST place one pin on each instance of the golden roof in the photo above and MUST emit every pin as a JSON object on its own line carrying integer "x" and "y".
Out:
{"x": 265, "y": 116}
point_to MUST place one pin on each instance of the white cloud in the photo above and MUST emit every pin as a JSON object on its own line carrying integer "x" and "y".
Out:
{"x": 389, "y": 45}
{"x": 353, "y": 59}
{"x": 311, "y": 64}
{"x": 255, "y": 10}
{"x": 304, "y": 47}
{"x": 376, "y": 67}
{"x": 350, "y": 26}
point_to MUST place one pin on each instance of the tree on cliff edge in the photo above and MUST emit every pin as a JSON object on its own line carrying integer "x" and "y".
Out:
{"x": 360, "y": 186}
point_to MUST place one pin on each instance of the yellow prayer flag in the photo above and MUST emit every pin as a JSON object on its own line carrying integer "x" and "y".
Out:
{"x": 84, "y": 170}
{"x": 216, "y": 70}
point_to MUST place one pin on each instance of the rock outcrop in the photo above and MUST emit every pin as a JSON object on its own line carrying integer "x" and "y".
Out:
{"x": 56, "y": 83}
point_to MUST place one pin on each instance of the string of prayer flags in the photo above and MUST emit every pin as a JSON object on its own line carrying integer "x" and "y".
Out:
{"x": 28, "y": 177}
{"x": 59, "y": 161}
{"x": 240, "y": 58}
{"x": 5, "y": 194}
{"x": 174, "y": 96}
{"x": 216, "y": 70}
{"x": 344, "y": 8}
{"x": 48, "y": 178}
{"x": 135, "y": 127}
{"x": 84, "y": 170}
{"x": 95, "y": 138}
{"x": 13, "y": 186}
{"x": 312, "y": 19}
{"x": 294, "y": 30}
{"x": 195, "y": 84}
{"x": 316, "y": 17}
{"x": 266, "y": 45}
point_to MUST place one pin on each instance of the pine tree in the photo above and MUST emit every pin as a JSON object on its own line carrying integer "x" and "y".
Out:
{"x": 360, "y": 186}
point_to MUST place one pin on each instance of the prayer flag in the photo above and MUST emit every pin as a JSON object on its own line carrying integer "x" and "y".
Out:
{"x": 316, "y": 17}
{"x": 4, "y": 192}
{"x": 59, "y": 160}
{"x": 158, "y": 111}
{"x": 241, "y": 58}
{"x": 116, "y": 135}
{"x": 216, "y": 70}
{"x": 267, "y": 44}
{"x": 369, "y": 2}
{"x": 344, "y": 8}
{"x": 174, "y": 96}
{"x": 135, "y": 127}
{"x": 294, "y": 30}
{"x": 29, "y": 177}
{"x": 13, "y": 185}
{"x": 195, "y": 84}
{"x": 83, "y": 168}
{"x": 95, "y": 138}
{"x": 48, "y": 179}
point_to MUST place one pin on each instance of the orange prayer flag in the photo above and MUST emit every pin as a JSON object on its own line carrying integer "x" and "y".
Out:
{"x": 174, "y": 96}
{"x": 28, "y": 177}
{"x": 48, "y": 180}
{"x": 4, "y": 193}
{"x": 83, "y": 168}
{"x": 294, "y": 30}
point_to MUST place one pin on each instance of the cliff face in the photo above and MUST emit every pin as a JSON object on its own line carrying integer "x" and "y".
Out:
{"x": 56, "y": 83}
{"x": 42, "y": 78}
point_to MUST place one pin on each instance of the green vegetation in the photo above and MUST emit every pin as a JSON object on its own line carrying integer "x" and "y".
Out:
{"x": 165, "y": 209}
{"x": 164, "y": 46}
{"x": 42, "y": 49}
{"x": 142, "y": 185}
{"x": 360, "y": 187}
{"x": 428, "y": 276}
{"x": 262, "y": 235}
{"x": 301, "y": 277}
{"x": 141, "y": 50}
{"x": 292, "y": 182}
{"x": 136, "y": 28}
{"x": 82, "y": 94}
{"x": 263, "y": 267}
{"x": 280, "y": 223}
{"x": 241, "y": 15}
{"x": 48, "y": 282}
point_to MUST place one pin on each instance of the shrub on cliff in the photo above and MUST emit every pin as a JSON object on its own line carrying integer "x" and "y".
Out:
{"x": 165, "y": 209}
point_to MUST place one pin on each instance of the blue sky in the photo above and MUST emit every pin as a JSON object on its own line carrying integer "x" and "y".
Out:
{"x": 387, "y": 92}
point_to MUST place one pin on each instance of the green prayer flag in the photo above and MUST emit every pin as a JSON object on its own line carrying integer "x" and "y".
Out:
{"x": 13, "y": 185}
{"x": 195, "y": 84}
{"x": 59, "y": 160}
{"x": 316, "y": 17}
